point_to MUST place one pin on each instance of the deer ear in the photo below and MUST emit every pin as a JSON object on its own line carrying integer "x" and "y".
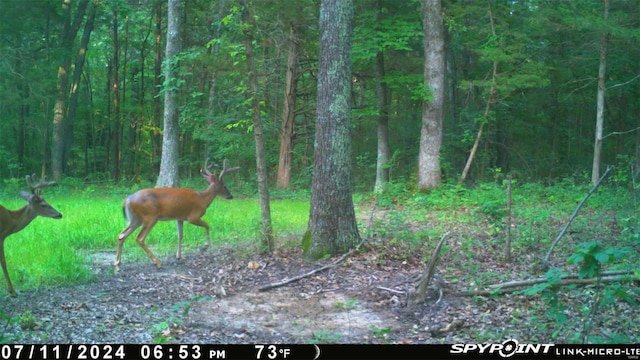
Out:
{"x": 25, "y": 195}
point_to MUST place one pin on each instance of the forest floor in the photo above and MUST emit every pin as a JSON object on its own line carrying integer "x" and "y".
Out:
{"x": 212, "y": 296}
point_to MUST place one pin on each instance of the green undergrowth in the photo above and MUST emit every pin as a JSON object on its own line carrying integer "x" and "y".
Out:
{"x": 58, "y": 252}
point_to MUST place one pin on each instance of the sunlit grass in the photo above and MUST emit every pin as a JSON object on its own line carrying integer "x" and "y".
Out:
{"x": 51, "y": 251}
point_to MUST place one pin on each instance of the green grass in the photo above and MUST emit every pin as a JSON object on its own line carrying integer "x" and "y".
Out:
{"x": 58, "y": 252}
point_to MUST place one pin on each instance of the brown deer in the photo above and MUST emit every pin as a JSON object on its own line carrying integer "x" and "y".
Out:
{"x": 148, "y": 206}
{"x": 12, "y": 221}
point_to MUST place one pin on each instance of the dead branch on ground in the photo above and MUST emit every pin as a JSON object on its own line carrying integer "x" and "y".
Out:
{"x": 516, "y": 285}
{"x": 302, "y": 276}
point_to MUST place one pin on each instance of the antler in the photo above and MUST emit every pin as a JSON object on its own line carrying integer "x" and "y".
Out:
{"x": 35, "y": 185}
{"x": 225, "y": 170}
{"x": 206, "y": 170}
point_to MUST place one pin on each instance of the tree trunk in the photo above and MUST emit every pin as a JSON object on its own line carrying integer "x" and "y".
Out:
{"x": 288, "y": 112}
{"x": 332, "y": 222}
{"x": 382, "y": 103}
{"x": 69, "y": 32}
{"x": 602, "y": 90}
{"x": 116, "y": 135}
{"x": 261, "y": 158}
{"x": 491, "y": 99}
{"x": 157, "y": 84}
{"x": 213, "y": 77}
{"x": 75, "y": 83}
{"x": 429, "y": 170}
{"x": 169, "y": 175}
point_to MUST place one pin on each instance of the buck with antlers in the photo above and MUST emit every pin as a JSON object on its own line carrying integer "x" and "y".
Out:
{"x": 147, "y": 207}
{"x": 12, "y": 221}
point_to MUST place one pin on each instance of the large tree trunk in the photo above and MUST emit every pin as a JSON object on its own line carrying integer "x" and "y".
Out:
{"x": 288, "y": 112}
{"x": 332, "y": 222}
{"x": 602, "y": 90}
{"x": 429, "y": 170}
{"x": 261, "y": 158}
{"x": 169, "y": 175}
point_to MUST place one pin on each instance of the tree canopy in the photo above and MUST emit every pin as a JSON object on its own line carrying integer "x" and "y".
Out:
{"x": 537, "y": 109}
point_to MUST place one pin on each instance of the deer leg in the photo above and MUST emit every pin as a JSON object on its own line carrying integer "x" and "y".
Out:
{"x": 121, "y": 238}
{"x": 3, "y": 262}
{"x": 140, "y": 239}
{"x": 199, "y": 222}
{"x": 179, "y": 226}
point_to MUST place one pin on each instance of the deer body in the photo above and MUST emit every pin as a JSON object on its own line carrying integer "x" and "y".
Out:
{"x": 13, "y": 221}
{"x": 148, "y": 206}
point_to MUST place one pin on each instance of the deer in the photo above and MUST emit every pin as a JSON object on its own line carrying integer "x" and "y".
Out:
{"x": 13, "y": 221}
{"x": 148, "y": 206}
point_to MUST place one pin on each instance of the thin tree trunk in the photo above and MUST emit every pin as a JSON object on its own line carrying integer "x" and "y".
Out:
{"x": 261, "y": 158}
{"x": 288, "y": 112}
{"x": 602, "y": 90}
{"x": 169, "y": 175}
{"x": 491, "y": 99}
{"x": 213, "y": 76}
{"x": 116, "y": 135}
{"x": 429, "y": 170}
{"x": 382, "y": 103}
{"x": 75, "y": 83}
{"x": 157, "y": 84}
{"x": 69, "y": 32}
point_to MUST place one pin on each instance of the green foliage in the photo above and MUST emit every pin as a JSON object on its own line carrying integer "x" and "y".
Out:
{"x": 592, "y": 256}
{"x": 380, "y": 333}
{"x": 325, "y": 337}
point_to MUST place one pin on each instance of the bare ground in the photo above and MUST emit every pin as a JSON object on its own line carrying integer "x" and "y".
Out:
{"x": 212, "y": 297}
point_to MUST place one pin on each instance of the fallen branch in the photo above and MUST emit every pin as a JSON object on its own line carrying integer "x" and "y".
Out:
{"x": 575, "y": 213}
{"x": 513, "y": 286}
{"x": 399, "y": 292}
{"x": 302, "y": 276}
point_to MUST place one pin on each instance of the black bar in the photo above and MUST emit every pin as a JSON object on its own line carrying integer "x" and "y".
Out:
{"x": 508, "y": 349}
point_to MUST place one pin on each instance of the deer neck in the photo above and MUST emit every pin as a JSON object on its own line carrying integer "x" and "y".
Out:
{"x": 209, "y": 193}
{"x": 20, "y": 218}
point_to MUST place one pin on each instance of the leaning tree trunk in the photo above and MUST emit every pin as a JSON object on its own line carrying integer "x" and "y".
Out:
{"x": 332, "y": 222}
{"x": 490, "y": 100}
{"x": 429, "y": 170}
{"x": 169, "y": 176}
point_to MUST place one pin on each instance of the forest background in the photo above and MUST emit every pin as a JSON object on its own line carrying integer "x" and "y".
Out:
{"x": 536, "y": 113}
{"x": 541, "y": 92}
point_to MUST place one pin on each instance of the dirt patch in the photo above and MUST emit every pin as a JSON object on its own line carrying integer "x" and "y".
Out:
{"x": 212, "y": 297}
{"x": 294, "y": 318}
{"x": 208, "y": 297}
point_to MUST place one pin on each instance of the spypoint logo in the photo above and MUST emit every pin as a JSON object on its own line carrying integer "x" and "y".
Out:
{"x": 507, "y": 349}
